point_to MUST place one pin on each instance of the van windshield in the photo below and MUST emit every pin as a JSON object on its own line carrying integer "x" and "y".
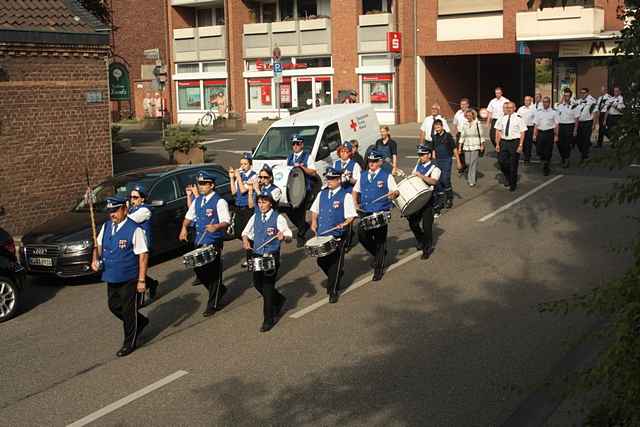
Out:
{"x": 276, "y": 143}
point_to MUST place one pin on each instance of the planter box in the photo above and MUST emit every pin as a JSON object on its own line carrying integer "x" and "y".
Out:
{"x": 194, "y": 156}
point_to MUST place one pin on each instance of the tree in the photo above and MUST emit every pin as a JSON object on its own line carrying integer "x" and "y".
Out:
{"x": 616, "y": 375}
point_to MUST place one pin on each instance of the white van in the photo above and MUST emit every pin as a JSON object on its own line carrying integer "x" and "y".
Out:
{"x": 323, "y": 129}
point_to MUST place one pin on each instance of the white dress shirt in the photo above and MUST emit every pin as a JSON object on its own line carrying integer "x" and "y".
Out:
{"x": 471, "y": 135}
{"x": 616, "y": 105}
{"x": 349, "y": 206}
{"x": 281, "y": 225}
{"x": 546, "y": 119}
{"x": 496, "y": 107}
{"x": 567, "y": 114}
{"x": 516, "y": 126}
{"x": 221, "y": 207}
{"x": 585, "y": 109}
{"x": 434, "y": 172}
{"x": 603, "y": 102}
{"x": 459, "y": 120}
{"x": 141, "y": 215}
{"x": 391, "y": 182}
{"x": 527, "y": 114}
{"x": 276, "y": 193}
{"x": 427, "y": 125}
{"x": 296, "y": 159}
{"x": 139, "y": 239}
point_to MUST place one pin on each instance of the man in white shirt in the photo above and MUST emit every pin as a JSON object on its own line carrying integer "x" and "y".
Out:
{"x": 601, "y": 109}
{"x": 496, "y": 111}
{"x": 615, "y": 107}
{"x": 527, "y": 114}
{"x": 426, "y": 129}
{"x": 545, "y": 133}
{"x": 567, "y": 114}
{"x": 538, "y": 101}
{"x": 585, "y": 112}
{"x": 510, "y": 133}
{"x": 458, "y": 121}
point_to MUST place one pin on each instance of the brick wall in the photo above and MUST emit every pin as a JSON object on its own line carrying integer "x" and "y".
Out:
{"x": 237, "y": 16}
{"x": 49, "y": 132}
{"x": 344, "y": 42}
{"x": 406, "y": 75}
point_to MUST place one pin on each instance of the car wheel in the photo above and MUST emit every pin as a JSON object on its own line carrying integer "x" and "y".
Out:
{"x": 9, "y": 299}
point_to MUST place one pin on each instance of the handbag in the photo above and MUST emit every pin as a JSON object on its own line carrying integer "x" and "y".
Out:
{"x": 481, "y": 152}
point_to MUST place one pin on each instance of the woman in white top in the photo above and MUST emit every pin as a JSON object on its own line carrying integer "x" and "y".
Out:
{"x": 471, "y": 144}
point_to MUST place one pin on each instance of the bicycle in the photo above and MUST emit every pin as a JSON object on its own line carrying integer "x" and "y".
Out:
{"x": 208, "y": 118}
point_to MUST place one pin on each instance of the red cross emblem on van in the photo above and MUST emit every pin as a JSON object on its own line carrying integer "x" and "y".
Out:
{"x": 354, "y": 125}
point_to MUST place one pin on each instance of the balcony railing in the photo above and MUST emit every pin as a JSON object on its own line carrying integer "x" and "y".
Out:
{"x": 571, "y": 22}
{"x": 302, "y": 37}
{"x": 198, "y": 44}
{"x": 372, "y": 32}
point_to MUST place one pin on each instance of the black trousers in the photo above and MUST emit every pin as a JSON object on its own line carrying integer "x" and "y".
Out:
{"x": 612, "y": 122}
{"x": 265, "y": 284}
{"x": 124, "y": 302}
{"x": 243, "y": 215}
{"x": 211, "y": 276}
{"x": 424, "y": 234}
{"x": 602, "y": 129}
{"x": 528, "y": 144}
{"x": 583, "y": 138}
{"x": 509, "y": 159}
{"x": 298, "y": 217}
{"x": 333, "y": 264}
{"x": 544, "y": 144}
{"x": 565, "y": 139}
{"x": 492, "y": 132}
{"x": 375, "y": 242}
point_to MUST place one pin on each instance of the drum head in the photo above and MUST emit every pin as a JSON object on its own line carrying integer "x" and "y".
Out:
{"x": 296, "y": 187}
{"x": 417, "y": 203}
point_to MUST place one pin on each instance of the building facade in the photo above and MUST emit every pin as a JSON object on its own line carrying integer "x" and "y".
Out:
{"x": 221, "y": 53}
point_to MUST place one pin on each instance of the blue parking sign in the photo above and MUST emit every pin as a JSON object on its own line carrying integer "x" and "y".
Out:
{"x": 277, "y": 68}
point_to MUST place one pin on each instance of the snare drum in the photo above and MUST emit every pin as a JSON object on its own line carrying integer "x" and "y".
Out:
{"x": 414, "y": 195}
{"x": 200, "y": 256}
{"x": 375, "y": 220}
{"x": 321, "y": 246}
{"x": 264, "y": 263}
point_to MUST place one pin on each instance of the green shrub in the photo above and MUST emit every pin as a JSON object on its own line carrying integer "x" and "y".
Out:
{"x": 183, "y": 138}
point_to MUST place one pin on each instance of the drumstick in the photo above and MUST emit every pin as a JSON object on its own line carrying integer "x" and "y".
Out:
{"x": 380, "y": 198}
{"x": 203, "y": 234}
{"x": 266, "y": 243}
{"x": 91, "y": 213}
{"x": 329, "y": 230}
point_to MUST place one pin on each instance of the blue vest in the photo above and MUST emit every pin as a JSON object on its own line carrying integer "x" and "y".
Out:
{"x": 331, "y": 212}
{"x": 268, "y": 190}
{"x": 264, "y": 231}
{"x": 304, "y": 159}
{"x": 347, "y": 186}
{"x": 242, "y": 199}
{"x": 370, "y": 191}
{"x": 120, "y": 263}
{"x": 145, "y": 225}
{"x": 425, "y": 168}
{"x": 207, "y": 214}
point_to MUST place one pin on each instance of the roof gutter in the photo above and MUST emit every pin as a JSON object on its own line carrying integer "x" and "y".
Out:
{"x": 24, "y": 36}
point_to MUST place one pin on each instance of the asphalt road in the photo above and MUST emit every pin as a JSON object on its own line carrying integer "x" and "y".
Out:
{"x": 453, "y": 341}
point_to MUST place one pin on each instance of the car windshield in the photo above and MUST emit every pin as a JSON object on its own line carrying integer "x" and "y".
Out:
{"x": 276, "y": 143}
{"x": 108, "y": 189}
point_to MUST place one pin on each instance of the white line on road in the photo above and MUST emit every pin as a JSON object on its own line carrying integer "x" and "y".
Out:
{"x": 633, "y": 165}
{"x": 233, "y": 151}
{"x": 519, "y": 199}
{"x": 212, "y": 141}
{"x": 128, "y": 399}
{"x": 358, "y": 284}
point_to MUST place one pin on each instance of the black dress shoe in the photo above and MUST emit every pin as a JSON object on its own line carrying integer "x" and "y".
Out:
{"x": 333, "y": 298}
{"x": 210, "y": 311}
{"x": 125, "y": 351}
{"x": 419, "y": 246}
{"x": 377, "y": 275}
{"x": 267, "y": 325}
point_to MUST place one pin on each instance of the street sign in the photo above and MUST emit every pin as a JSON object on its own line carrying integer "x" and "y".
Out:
{"x": 152, "y": 54}
{"x": 119, "y": 87}
{"x": 277, "y": 72}
{"x": 394, "y": 42}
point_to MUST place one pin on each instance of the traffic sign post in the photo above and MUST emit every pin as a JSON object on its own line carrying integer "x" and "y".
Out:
{"x": 277, "y": 79}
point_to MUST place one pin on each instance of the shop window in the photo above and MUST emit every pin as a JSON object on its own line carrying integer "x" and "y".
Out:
{"x": 323, "y": 91}
{"x": 286, "y": 11}
{"x": 215, "y": 95}
{"x": 285, "y": 93}
{"x": 376, "y": 6}
{"x": 566, "y": 75}
{"x": 189, "y": 95}
{"x": 260, "y": 94}
{"x": 322, "y": 61}
{"x": 204, "y": 17}
{"x": 377, "y": 90}
{"x": 214, "y": 67}
{"x": 544, "y": 77}
{"x": 219, "y": 13}
{"x": 307, "y": 9}
{"x": 192, "y": 67}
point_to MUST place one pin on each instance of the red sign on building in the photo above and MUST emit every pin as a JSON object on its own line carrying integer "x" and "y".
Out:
{"x": 394, "y": 42}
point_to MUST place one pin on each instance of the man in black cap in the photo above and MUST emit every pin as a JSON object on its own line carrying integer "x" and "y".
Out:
{"x": 122, "y": 250}
{"x": 332, "y": 214}
{"x": 211, "y": 213}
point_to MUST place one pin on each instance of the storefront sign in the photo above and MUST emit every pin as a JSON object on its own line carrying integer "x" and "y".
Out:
{"x": 220, "y": 82}
{"x": 394, "y": 42}
{"x": 587, "y": 48}
{"x": 119, "y": 88}
{"x": 377, "y": 77}
{"x": 264, "y": 66}
{"x": 260, "y": 81}
{"x": 190, "y": 83}
{"x": 285, "y": 94}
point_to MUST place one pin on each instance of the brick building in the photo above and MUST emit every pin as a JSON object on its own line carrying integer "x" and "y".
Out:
{"x": 221, "y": 50}
{"x": 54, "y": 109}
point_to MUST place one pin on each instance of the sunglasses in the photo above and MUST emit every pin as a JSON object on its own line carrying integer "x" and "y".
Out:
{"x": 264, "y": 176}
{"x": 298, "y": 143}
{"x": 204, "y": 182}
{"x": 134, "y": 197}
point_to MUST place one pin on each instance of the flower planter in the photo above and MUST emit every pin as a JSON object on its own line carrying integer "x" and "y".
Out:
{"x": 194, "y": 156}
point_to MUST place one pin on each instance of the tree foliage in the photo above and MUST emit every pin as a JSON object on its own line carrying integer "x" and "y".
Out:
{"x": 616, "y": 375}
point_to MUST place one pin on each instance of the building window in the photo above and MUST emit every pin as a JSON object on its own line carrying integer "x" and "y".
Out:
{"x": 323, "y": 91}
{"x": 566, "y": 75}
{"x": 269, "y": 12}
{"x": 189, "y": 95}
{"x": 323, "y": 61}
{"x": 214, "y": 67}
{"x": 191, "y": 67}
{"x": 286, "y": 11}
{"x": 376, "y": 60}
{"x": 544, "y": 77}
{"x": 204, "y": 17}
{"x": 307, "y": 8}
{"x": 377, "y": 90}
{"x": 260, "y": 94}
{"x": 215, "y": 95}
{"x": 376, "y": 6}
{"x": 219, "y": 13}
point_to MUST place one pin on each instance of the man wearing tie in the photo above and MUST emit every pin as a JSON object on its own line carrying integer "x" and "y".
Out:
{"x": 300, "y": 158}
{"x": 585, "y": 112}
{"x": 527, "y": 113}
{"x": 510, "y": 134}
{"x": 601, "y": 109}
{"x": 496, "y": 111}
{"x": 426, "y": 129}
{"x": 545, "y": 133}
{"x": 567, "y": 114}
{"x": 332, "y": 213}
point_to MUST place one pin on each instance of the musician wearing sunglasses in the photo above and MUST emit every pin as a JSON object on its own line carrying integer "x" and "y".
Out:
{"x": 140, "y": 213}
{"x": 300, "y": 158}
{"x": 264, "y": 185}
{"x": 373, "y": 193}
{"x": 211, "y": 215}
{"x": 332, "y": 214}
{"x": 426, "y": 170}
{"x": 263, "y": 236}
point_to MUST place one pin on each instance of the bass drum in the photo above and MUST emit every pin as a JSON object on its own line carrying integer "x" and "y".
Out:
{"x": 291, "y": 181}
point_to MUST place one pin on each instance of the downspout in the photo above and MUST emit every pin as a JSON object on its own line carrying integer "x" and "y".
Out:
{"x": 415, "y": 56}
{"x": 169, "y": 63}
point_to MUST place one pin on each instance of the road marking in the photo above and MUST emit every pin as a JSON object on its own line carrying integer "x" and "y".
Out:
{"x": 128, "y": 399}
{"x": 212, "y": 141}
{"x": 633, "y": 165}
{"x": 519, "y": 199}
{"x": 233, "y": 151}
{"x": 360, "y": 283}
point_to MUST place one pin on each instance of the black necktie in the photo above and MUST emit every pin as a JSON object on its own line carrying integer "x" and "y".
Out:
{"x": 506, "y": 131}
{"x": 264, "y": 217}
{"x": 601, "y": 103}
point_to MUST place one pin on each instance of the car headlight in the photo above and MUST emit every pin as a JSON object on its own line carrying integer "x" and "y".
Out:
{"x": 77, "y": 246}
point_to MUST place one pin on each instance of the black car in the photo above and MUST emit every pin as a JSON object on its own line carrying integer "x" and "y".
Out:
{"x": 11, "y": 278}
{"x": 63, "y": 246}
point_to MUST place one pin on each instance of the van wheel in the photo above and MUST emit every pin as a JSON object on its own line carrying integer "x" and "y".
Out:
{"x": 9, "y": 299}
